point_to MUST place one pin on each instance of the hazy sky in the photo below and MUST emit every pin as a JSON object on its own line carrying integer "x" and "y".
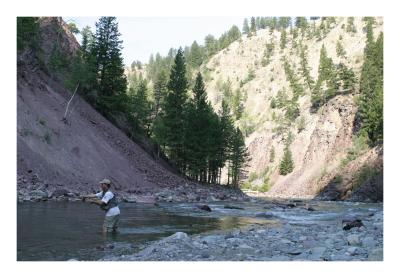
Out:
{"x": 143, "y": 36}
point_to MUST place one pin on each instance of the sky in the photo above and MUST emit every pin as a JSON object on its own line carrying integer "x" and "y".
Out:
{"x": 143, "y": 36}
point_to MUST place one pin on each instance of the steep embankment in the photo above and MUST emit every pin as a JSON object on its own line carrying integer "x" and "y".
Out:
{"x": 60, "y": 157}
{"x": 323, "y": 142}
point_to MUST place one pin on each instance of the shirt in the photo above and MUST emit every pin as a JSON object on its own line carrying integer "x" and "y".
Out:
{"x": 107, "y": 197}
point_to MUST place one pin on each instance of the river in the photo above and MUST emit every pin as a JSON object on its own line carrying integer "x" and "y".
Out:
{"x": 57, "y": 231}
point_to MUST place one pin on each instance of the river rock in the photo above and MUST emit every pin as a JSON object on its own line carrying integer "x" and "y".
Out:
{"x": 59, "y": 192}
{"x": 354, "y": 251}
{"x": 317, "y": 253}
{"x": 368, "y": 242}
{"x": 130, "y": 199}
{"x": 204, "y": 207}
{"x": 38, "y": 195}
{"x": 178, "y": 236}
{"x": 353, "y": 240}
{"x": 212, "y": 239}
{"x": 376, "y": 255}
{"x": 350, "y": 223}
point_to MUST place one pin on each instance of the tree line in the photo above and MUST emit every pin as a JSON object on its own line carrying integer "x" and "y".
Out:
{"x": 179, "y": 120}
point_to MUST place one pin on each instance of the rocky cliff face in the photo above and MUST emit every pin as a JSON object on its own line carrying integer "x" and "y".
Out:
{"x": 318, "y": 149}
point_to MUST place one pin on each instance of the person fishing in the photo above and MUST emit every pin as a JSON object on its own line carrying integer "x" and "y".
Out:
{"x": 107, "y": 202}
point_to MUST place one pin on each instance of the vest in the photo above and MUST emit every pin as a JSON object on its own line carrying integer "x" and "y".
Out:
{"x": 111, "y": 203}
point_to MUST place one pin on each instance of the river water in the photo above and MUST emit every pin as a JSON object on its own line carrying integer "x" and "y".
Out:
{"x": 54, "y": 231}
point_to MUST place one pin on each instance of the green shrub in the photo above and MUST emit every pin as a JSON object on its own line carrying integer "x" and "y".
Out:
{"x": 253, "y": 176}
{"x": 365, "y": 173}
{"x": 359, "y": 146}
{"x": 266, "y": 185}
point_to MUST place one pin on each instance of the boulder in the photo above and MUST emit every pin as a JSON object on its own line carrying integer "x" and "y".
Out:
{"x": 353, "y": 240}
{"x": 350, "y": 223}
{"x": 204, "y": 207}
{"x": 178, "y": 236}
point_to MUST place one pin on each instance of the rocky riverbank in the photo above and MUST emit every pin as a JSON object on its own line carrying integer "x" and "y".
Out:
{"x": 38, "y": 191}
{"x": 353, "y": 239}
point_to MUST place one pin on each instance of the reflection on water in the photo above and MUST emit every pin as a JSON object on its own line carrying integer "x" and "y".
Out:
{"x": 61, "y": 231}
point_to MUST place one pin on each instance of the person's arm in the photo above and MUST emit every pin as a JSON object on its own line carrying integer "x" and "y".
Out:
{"x": 90, "y": 196}
{"x": 95, "y": 201}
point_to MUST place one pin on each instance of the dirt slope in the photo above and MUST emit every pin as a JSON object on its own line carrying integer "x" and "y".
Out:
{"x": 75, "y": 155}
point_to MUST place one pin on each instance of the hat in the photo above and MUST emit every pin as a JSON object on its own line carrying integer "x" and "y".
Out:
{"x": 105, "y": 181}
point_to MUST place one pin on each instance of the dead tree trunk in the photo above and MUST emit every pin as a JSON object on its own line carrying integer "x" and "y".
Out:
{"x": 66, "y": 109}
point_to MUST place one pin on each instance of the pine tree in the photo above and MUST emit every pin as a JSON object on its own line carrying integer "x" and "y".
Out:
{"x": 246, "y": 28}
{"x": 272, "y": 154}
{"x": 174, "y": 105}
{"x": 305, "y": 69}
{"x": 196, "y": 131}
{"x": 340, "y": 49}
{"x": 140, "y": 109}
{"x": 195, "y": 58}
{"x": 27, "y": 32}
{"x": 350, "y": 28}
{"x": 253, "y": 30}
{"x": 327, "y": 83}
{"x": 370, "y": 109}
{"x": 283, "y": 39}
{"x": 238, "y": 157}
{"x": 211, "y": 45}
{"x": 87, "y": 41}
{"x": 160, "y": 91}
{"x": 109, "y": 65}
{"x": 227, "y": 129}
{"x": 287, "y": 165}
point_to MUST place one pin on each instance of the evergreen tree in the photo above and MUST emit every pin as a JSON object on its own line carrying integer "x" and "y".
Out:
{"x": 351, "y": 28}
{"x": 196, "y": 131}
{"x": 211, "y": 45}
{"x": 227, "y": 129}
{"x": 238, "y": 157}
{"x": 174, "y": 104}
{"x": 284, "y": 22}
{"x": 246, "y": 28}
{"x": 272, "y": 154}
{"x": 112, "y": 82}
{"x": 370, "y": 110}
{"x": 27, "y": 32}
{"x": 327, "y": 83}
{"x": 195, "y": 57}
{"x": 340, "y": 49}
{"x": 253, "y": 26}
{"x": 283, "y": 39}
{"x": 160, "y": 91}
{"x": 305, "y": 69}
{"x": 87, "y": 41}
{"x": 286, "y": 165}
{"x": 140, "y": 109}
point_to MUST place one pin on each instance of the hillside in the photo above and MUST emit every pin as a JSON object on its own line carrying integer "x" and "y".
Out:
{"x": 322, "y": 139}
{"x": 56, "y": 157}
